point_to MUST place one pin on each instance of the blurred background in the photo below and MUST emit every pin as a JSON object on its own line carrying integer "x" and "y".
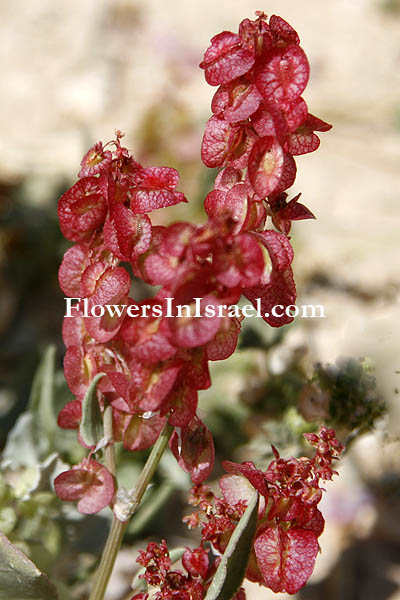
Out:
{"x": 73, "y": 72}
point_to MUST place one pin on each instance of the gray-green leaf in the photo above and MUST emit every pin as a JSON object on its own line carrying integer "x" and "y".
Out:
{"x": 21, "y": 449}
{"x": 41, "y": 401}
{"x": 20, "y": 579}
{"x": 91, "y": 427}
{"x": 233, "y": 565}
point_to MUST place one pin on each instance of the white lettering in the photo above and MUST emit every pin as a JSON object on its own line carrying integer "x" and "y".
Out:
{"x": 115, "y": 309}
{"x": 93, "y": 310}
{"x": 71, "y": 306}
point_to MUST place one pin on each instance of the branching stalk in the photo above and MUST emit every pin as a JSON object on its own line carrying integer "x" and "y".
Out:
{"x": 118, "y": 527}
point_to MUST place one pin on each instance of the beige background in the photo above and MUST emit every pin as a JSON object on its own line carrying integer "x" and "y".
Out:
{"x": 73, "y": 71}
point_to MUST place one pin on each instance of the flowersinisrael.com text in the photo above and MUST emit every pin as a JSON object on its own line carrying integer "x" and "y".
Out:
{"x": 196, "y": 309}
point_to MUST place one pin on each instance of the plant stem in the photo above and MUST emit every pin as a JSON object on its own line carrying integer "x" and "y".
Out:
{"x": 109, "y": 451}
{"x": 110, "y": 552}
{"x": 151, "y": 466}
{"x": 118, "y": 527}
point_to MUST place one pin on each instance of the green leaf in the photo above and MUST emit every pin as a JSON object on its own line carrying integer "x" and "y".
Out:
{"x": 20, "y": 579}
{"x": 20, "y": 449}
{"x": 41, "y": 401}
{"x": 233, "y": 565}
{"x": 8, "y": 519}
{"x": 48, "y": 471}
{"x": 91, "y": 427}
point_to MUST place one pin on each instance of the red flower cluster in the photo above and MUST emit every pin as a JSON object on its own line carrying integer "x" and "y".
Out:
{"x": 289, "y": 523}
{"x": 260, "y": 120}
{"x": 175, "y": 584}
{"x": 155, "y": 364}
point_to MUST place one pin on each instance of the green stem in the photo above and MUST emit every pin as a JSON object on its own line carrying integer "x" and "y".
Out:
{"x": 109, "y": 451}
{"x": 110, "y": 552}
{"x": 151, "y": 466}
{"x": 118, "y": 527}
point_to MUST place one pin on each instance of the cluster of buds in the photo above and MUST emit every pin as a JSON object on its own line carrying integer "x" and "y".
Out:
{"x": 155, "y": 364}
{"x": 289, "y": 523}
{"x": 188, "y": 585}
{"x": 192, "y": 584}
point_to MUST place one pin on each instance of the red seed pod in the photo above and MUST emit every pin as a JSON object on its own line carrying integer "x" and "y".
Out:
{"x": 90, "y": 483}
